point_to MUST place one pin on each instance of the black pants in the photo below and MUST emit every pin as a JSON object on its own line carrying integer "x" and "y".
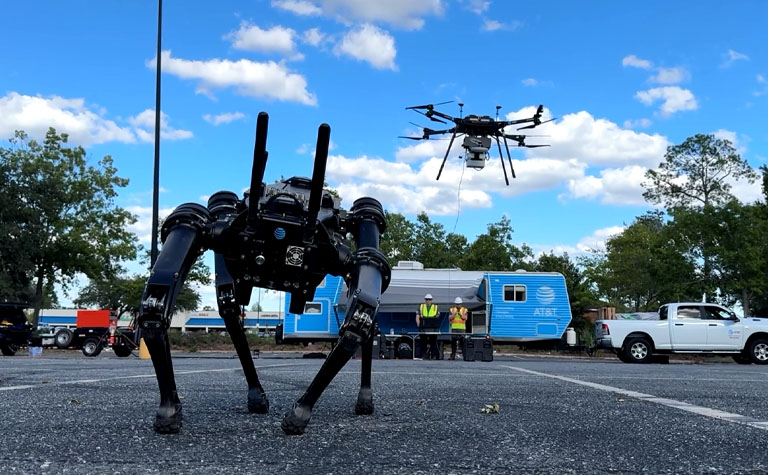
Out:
{"x": 429, "y": 349}
{"x": 455, "y": 338}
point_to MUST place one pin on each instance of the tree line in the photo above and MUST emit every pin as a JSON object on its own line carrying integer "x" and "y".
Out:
{"x": 59, "y": 219}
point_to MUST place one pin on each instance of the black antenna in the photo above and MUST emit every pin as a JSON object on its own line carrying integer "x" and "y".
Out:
{"x": 461, "y": 109}
{"x": 259, "y": 165}
{"x": 318, "y": 178}
{"x": 156, "y": 184}
{"x": 497, "y": 112}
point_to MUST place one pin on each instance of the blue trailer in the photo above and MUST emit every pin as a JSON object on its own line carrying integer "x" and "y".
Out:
{"x": 517, "y": 307}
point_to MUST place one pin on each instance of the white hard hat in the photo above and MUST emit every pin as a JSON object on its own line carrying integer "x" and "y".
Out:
{"x": 428, "y": 297}
{"x": 458, "y": 300}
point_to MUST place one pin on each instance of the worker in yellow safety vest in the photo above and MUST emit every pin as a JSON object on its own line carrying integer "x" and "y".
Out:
{"x": 428, "y": 310}
{"x": 458, "y": 319}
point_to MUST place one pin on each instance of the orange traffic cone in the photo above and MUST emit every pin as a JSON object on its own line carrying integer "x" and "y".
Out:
{"x": 143, "y": 351}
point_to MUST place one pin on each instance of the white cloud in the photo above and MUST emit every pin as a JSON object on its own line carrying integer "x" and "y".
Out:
{"x": 615, "y": 186}
{"x": 477, "y": 6}
{"x": 494, "y": 25}
{"x": 143, "y": 225}
{"x": 594, "y": 242}
{"x": 144, "y": 126}
{"x": 731, "y": 57}
{"x": 674, "y": 75}
{"x": 637, "y": 123}
{"x": 370, "y": 44}
{"x": 635, "y": 62}
{"x": 597, "y": 142}
{"x": 529, "y": 82}
{"x": 299, "y": 7}
{"x": 406, "y": 14}
{"x": 674, "y": 99}
{"x": 268, "y": 80}
{"x": 738, "y": 141}
{"x": 313, "y": 36}
{"x": 35, "y": 114}
{"x": 224, "y": 118}
{"x": 276, "y": 39}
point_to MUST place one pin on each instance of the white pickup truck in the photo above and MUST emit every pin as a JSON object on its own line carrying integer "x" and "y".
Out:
{"x": 692, "y": 327}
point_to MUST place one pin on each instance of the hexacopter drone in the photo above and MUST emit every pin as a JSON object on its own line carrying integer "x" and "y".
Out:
{"x": 478, "y": 131}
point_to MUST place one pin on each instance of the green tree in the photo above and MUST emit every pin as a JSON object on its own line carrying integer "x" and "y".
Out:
{"x": 68, "y": 222}
{"x": 431, "y": 244}
{"x": 494, "y": 250}
{"x": 741, "y": 255}
{"x": 397, "y": 242}
{"x": 695, "y": 173}
{"x": 691, "y": 183}
{"x": 642, "y": 267}
{"x": 123, "y": 293}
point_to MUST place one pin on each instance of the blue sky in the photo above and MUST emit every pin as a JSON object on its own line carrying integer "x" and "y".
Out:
{"x": 623, "y": 79}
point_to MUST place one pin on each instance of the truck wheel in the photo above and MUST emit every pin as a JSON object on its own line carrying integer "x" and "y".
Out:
{"x": 638, "y": 350}
{"x": 758, "y": 351}
{"x": 10, "y": 349}
{"x": 63, "y": 338}
{"x": 92, "y": 347}
{"x": 741, "y": 358}
{"x": 121, "y": 351}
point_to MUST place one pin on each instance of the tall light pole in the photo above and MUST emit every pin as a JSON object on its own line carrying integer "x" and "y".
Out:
{"x": 156, "y": 185}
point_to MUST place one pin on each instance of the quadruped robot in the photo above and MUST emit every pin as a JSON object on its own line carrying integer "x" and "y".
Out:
{"x": 286, "y": 236}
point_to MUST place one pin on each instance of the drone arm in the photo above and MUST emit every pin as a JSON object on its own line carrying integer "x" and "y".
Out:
{"x": 440, "y": 114}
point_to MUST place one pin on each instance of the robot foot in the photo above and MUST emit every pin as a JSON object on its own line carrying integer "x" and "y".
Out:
{"x": 364, "y": 405}
{"x": 257, "y": 401}
{"x": 168, "y": 419}
{"x": 295, "y": 422}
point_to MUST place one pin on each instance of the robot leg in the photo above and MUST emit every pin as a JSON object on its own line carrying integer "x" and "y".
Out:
{"x": 230, "y": 312}
{"x": 364, "y": 405}
{"x": 182, "y": 236}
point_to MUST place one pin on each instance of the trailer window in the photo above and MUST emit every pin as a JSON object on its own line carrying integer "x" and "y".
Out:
{"x": 313, "y": 307}
{"x": 515, "y": 293}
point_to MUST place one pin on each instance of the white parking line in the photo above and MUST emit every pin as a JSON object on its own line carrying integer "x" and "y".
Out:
{"x": 683, "y": 406}
{"x": 137, "y": 376}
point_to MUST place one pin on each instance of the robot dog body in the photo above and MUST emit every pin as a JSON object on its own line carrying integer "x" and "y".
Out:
{"x": 286, "y": 236}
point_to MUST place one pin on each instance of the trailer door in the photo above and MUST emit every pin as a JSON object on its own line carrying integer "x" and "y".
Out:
{"x": 316, "y": 317}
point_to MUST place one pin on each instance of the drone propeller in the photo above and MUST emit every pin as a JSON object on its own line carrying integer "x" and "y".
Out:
{"x": 410, "y": 138}
{"x": 536, "y": 123}
{"x": 427, "y": 106}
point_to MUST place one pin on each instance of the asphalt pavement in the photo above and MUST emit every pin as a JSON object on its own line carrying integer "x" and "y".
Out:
{"x": 64, "y": 413}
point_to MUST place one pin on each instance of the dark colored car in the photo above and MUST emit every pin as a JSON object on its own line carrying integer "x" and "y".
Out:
{"x": 15, "y": 330}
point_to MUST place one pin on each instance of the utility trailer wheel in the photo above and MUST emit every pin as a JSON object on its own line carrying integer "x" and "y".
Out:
{"x": 122, "y": 351}
{"x": 63, "y": 338}
{"x": 741, "y": 358}
{"x": 92, "y": 347}
{"x": 638, "y": 350}
{"x": 10, "y": 349}
{"x": 758, "y": 351}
